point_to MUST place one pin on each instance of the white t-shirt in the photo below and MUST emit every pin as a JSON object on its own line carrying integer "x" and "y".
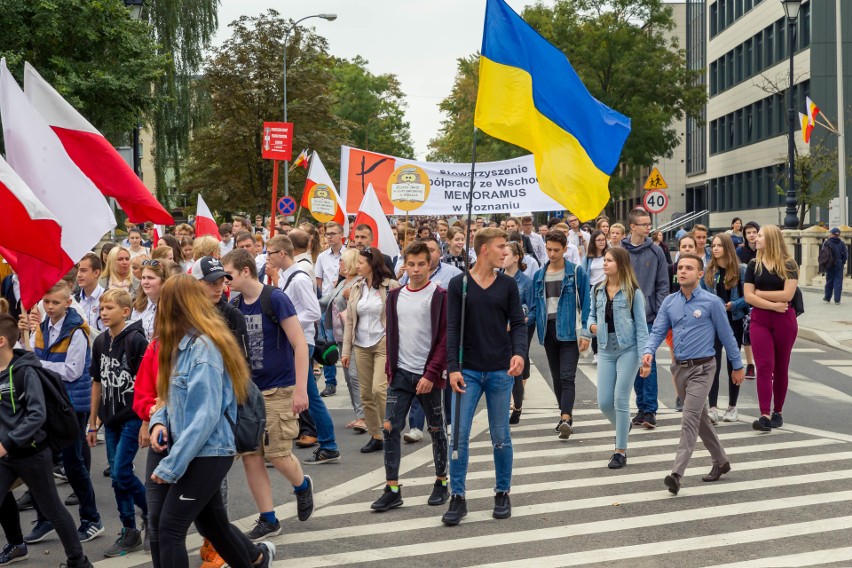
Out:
{"x": 370, "y": 308}
{"x": 328, "y": 269}
{"x": 414, "y": 308}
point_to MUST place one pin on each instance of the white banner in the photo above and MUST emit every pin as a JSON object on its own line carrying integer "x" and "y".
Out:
{"x": 434, "y": 188}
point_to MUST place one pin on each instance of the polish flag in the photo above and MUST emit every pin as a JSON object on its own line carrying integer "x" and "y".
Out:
{"x": 93, "y": 153}
{"x": 155, "y": 238}
{"x": 370, "y": 213}
{"x": 35, "y": 153}
{"x": 319, "y": 208}
{"x": 205, "y": 224}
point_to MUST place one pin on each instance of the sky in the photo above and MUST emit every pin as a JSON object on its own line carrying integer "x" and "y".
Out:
{"x": 417, "y": 40}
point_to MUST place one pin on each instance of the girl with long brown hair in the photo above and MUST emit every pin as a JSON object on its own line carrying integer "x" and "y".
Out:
{"x": 724, "y": 276}
{"x": 202, "y": 376}
{"x": 617, "y": 319}
{"x": 146, "y": 300}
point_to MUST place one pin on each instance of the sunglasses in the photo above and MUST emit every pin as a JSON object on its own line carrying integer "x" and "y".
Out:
{"x": 154, "y": 263}
{"x": 367, "y": 252}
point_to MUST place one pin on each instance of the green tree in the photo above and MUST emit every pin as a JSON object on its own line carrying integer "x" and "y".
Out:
{"x": 100, "y": 60}
{"x": 244, "y": 81}
{"x": 627, "y": 56}
{"x": 374, "y": 105}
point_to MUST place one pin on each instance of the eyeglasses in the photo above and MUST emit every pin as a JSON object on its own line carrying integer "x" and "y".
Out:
{"x": 154, "y": 263}
{"x": 643, "y": 224}
{"x": 272, "y": 251}
{"x": 332, "y": 234}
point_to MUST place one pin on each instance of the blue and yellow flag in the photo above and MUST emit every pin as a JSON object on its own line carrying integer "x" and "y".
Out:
{"x": 530, "y": 96}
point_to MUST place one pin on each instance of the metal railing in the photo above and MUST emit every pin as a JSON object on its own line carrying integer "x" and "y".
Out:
{"x": 685, "y": 220}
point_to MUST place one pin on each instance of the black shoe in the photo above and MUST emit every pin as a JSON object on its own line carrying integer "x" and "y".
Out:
{"x": 25, "y": 501}
{"x": 502, "y": 505}
{"x": 263, "y": 529}
{"x": 322, "y": 455}
{"x": 673, "y": 483}
{"x": 373, "y": 445}
{"x": 565, "y": 429}
{"x": 305, "y": 501}
{"x": 650, "y": 420}
{"x": 107, "y": 472}
{"x": 776, "y": 421}
{"x": 618, "y": 461}
{"x": 456, "y": 512}
{"x": 59, "y": 474}
{"x": 716, "y": 472}
{"x": 389, "y": 500}
{"x": 440, "y": 493}
{"x": 515, "y": 418}
{"x": 329, "y": 390}
{"x": 40, "y": 531}
{"x": 751, "y": 373}
{"x": 72, "y": 500}
{"x": 762, "y": 424}
{"x": 639, "y": 419}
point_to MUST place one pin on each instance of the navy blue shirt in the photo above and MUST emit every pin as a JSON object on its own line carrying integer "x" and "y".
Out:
{"x": 272, "y": 362}
{"x": 695, "y": 323}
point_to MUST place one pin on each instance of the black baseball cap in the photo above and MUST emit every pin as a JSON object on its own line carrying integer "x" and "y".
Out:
{"x": 209, "y": 269}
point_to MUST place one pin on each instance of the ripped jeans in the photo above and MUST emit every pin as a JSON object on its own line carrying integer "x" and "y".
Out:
{"x": 401, "y": 393}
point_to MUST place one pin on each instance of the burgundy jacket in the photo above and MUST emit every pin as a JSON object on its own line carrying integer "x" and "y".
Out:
{"x": 436, "y": 363}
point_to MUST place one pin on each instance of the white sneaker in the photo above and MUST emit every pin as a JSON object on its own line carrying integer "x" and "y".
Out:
{"x": 595, "y": 359}
{"x": 413, "y": 435}
{"x": 731, "y": 415}
{"x": 714, "y": 415}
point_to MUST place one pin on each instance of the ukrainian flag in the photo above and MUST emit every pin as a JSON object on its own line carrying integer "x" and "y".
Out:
{"x": 530, "y": 96}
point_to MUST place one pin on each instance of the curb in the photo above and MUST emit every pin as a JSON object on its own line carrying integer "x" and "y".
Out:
{"x": 823, "y": 338}
{"x": 821, "y": 290}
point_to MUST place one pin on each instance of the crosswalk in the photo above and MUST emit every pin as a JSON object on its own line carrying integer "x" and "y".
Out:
{"x": 787, "y": 502}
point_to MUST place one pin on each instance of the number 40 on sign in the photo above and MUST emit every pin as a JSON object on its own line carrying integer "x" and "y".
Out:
{"x": 656, "y": 201}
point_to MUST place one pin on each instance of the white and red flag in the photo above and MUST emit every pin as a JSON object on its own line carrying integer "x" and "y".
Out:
{"x": 35, "y": 153}
{"x": 320, "y": 197}
{"x": 370, "y": 213}
{"x": 205, "y": 224}
{"x": 93, "y": 153}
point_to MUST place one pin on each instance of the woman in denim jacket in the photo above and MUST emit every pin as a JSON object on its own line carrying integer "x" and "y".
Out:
{"x": 618, "y": 305}
{"x": 202, "y": 377}
{"x": 724, "y": 276}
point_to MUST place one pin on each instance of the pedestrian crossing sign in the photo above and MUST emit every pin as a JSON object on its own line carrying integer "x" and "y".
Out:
{"x": 655, "y": 180}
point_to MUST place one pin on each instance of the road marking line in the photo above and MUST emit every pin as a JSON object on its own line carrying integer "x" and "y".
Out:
{"x": 795, "y": 560}
{"x": 807, "y": 387}
{"x": 584, "y": 423}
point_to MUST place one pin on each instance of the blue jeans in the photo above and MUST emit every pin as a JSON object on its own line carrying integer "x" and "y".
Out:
{"x": 617, "y": 366}
{"x": 319, "y": 413}
{"x": 646, "y": 389}
{"x": 122, "y": 443}
{"x": 833, "y": 283}
{"x": 497, "y": 387}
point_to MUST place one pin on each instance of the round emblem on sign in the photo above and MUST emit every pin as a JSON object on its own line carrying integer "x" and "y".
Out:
{"x": 323, "y": 205}
{"x": 408, "y": 187}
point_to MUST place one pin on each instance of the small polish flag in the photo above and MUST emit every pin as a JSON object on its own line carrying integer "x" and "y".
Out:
{"x": 93, "y": 153}
{"x": 205, "y": 224}
{"x": 301, "y": 160}
{"x": 35, "y": 153}
{"x": 370, "y": 213}
{"x": 323, "y": 209}
{"x": 155, "y": 238}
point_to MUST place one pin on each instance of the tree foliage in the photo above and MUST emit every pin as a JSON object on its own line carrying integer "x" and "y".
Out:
{"x": 100, "y": 60}
{"x": 626, "y": 55}
{"x": 244, "y": 81}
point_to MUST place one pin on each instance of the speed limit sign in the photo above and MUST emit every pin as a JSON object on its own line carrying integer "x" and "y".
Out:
{"x": 656, "y": 201}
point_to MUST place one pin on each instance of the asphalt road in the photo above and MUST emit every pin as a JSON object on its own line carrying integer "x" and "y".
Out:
{"x": 787, "y": 502}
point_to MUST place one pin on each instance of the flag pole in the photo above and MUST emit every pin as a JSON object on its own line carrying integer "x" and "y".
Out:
{"x": 457, "y": 414}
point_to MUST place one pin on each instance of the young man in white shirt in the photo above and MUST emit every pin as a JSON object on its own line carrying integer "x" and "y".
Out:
{"x": 89, "y": 294}
{"x": 577, "y": 236}
{"x": 226, "y": 245}
{"x": 536, "y": 239}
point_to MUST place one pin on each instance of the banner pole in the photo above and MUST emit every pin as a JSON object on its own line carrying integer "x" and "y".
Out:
{"x": 457, "y": 413}
{"x": 274, "y": 197}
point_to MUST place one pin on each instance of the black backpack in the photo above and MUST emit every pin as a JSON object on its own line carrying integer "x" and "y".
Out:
{"x": 61, "y": 425}
{"x": 250, "y": 426}
{"x": 826, "y": 256}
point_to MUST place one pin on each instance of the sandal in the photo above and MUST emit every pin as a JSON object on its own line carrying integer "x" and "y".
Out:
{"x": 351, "y": 425}
{"x": 360, "y": 427}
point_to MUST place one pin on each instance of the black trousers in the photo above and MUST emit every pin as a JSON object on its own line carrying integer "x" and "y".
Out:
{"x": 562, "y": 359}
{"x": 401, "y": 393}
{"x": 733, "y": 390}
{"x": 37, "y": 472}
{"x": 195, "y": 497}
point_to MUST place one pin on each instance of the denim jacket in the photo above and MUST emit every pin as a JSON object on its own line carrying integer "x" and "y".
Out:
{"x": 739, "y": 308}
{"x": 199, "y": 396}
{"x": 627, "y": 332}
{"x": 566, "y": 311}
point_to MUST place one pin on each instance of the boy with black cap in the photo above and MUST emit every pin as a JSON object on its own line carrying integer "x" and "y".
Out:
{"x": 212, "y": 276}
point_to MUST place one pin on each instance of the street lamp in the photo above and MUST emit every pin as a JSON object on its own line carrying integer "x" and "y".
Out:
{"x": 135, "y": 7}
{"x": 791, "y": 218}
{"x": 330, "y": 18}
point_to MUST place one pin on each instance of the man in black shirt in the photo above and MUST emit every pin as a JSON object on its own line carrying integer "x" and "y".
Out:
{"x": 492, "y": 357}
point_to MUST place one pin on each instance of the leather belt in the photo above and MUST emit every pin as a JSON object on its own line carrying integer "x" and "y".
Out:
{"x": 694, "y": 362}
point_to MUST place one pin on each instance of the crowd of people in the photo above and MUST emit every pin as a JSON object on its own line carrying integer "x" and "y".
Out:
{"x": 160, "y": 345}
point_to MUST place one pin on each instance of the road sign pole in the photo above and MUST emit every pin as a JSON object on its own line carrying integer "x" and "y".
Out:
{"x": 274, "y": 196}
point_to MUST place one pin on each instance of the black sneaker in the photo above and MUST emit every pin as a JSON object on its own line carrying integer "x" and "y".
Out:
{"x": 639, "y": 419}
{"x": 90, "y": 531}
{"x": 84, "y": 563}
{"x": 25, "y": 501}
{"x": 263, "y": 529}
{"x": 673, "y": 483}
{"x": 305, "y": 501}
{"x": 650, "y": 420}
{"x": 565, "y": 429}
{"x": 762, "y": 424}
{"x": 107, "y": 472}
{"x": 373, "y": 445}
{"x": 515, "y": 418}
{"x": 440, "y": 494}
{"x": 751, "y": 373}
{"x": 776, "y": 421}
{"x": 502, "y": 505}
{"x": 13, "y": 553}
{"x": 322, "y": 455}
{"x": 389, "y": 500}
{"x": 40, "y": 531}
{"x": 456, "y": 512}
{"x": 59, "y": 474}
{"x": 72, "y": 500}
{"x": 329, "y": 390}
{"x": 618, "y": 461}
{"x": 267, "y": 549}
{"x": 129, "y": 540}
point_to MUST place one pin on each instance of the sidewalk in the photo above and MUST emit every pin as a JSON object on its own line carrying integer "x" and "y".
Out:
{"x": 824, "y": 323}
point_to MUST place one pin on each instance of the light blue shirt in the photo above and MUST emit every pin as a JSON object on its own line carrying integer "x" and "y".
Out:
{"x": 695, "y": 323}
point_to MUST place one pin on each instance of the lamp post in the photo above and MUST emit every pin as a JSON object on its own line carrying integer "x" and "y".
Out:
{"x": 135, "y": 7}
{"x": 791, "y": 218}
{"x": 330, "y": 18}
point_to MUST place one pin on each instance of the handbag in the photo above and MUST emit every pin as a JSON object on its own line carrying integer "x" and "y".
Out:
{"x": 798, "y": 302}
{"x": 325, "y": 352}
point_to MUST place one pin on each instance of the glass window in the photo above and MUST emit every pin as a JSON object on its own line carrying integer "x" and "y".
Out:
{"x": 749, "y": 63}
{"x": 738, "y": 137}
{"x": 714, "y": 28}
{"x": 759, "y": 120}
{"x": 739, "y": 9}
{"x": 714, "y": 133}
{"x": 749, "y": 112}
{"x": 780, "y": 115}
{"x": 729, "y": 64}
{"x": 769, "y": 41}
{"x": 749, "y": 190}
{"x": 731, "y": 130}
{"x": 739, "y": 63}
{"x": 714, "y": 68}
{"x": 758, "y": 53}
{"x": 760, "y": 202}
{"x": 721, "y": 15}
{"x": 781, "y": 40}
{"x": 729, "y": 12}
{"x": 805, "y": 26}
